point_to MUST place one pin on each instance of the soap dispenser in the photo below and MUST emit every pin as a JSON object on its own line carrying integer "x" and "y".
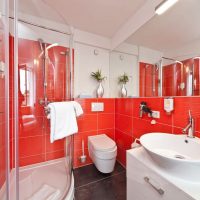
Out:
{"x": 169, "y": 105}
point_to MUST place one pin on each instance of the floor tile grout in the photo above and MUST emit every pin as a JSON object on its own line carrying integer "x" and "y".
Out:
{"x": 124, "y": 171}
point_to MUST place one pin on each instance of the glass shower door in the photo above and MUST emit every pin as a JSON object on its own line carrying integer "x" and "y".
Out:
{"x": 44, "y": 76}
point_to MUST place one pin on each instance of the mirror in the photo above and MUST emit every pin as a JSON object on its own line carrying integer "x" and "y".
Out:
{"x": 142, "y": 67}
{"x": 168, "y": 51}
{"x": 124, "y": 63}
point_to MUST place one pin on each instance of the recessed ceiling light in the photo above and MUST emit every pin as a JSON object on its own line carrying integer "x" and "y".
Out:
{"x": 164, "y": 6}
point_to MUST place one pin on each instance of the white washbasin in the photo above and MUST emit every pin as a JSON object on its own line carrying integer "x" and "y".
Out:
{"x": 177, "y": 154}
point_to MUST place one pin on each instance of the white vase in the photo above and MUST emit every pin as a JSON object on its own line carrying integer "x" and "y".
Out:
{"x": 123, "y": 91}
{"x": 100, "y": 90}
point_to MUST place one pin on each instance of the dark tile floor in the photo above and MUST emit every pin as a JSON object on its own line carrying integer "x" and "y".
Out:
{"x": 90, "y": 184}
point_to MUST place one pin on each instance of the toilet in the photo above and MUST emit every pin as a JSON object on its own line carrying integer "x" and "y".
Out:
{"x": 103, "y": 152}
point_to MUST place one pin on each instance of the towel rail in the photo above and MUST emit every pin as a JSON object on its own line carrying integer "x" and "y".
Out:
{"x": 47, "y": 110}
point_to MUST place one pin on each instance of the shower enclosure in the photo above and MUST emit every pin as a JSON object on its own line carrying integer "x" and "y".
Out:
{"x": 36, "y": 68}
{"x": 181, "y": 78}
{"x": 150, "y": 79}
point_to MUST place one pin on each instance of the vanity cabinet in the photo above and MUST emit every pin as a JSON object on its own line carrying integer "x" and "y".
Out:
{"x": 143, "y": 183}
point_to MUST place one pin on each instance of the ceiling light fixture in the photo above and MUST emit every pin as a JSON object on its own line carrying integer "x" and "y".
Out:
{"x": 164, "y": 6}
{"x": 52, "y": 45}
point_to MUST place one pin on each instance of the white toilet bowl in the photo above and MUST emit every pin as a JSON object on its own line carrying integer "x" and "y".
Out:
{"x": 103, "y": 152}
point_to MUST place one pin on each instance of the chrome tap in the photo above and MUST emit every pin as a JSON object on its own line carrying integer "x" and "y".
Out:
{"x": 190, "y": 128}
{"x": 144, "y": 109}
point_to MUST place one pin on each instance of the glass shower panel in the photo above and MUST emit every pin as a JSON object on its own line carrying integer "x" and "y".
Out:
{"x": 44, "y": 74}
{"x": 171, "y": 78}
{"x": 149, "y": 79}
{"x": 42, "y": 79}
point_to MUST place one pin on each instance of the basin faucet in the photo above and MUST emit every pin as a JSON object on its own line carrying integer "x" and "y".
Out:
{"x": 189, "y": 129}
{"x": 144, "y": 109}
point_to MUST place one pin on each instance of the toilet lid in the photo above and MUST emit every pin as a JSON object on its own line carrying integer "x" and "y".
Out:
{"x": 102, "y": 142}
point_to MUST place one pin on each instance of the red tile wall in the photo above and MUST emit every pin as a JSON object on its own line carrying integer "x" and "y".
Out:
{"x": 175, "y": 74}
{"x": 93, "y": 123}
{"x": 128, "y": 125}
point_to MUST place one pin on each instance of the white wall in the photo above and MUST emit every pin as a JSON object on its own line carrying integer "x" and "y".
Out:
{"x": 120, "y": 63}
{"x": 149, "y": 55}
{"x": 85, "y": 63}
{"x": 110, "y": 64}
{"x": 34, "y": 33}
{"x": 185, "y": 52}
{"x": 127, "y": 48}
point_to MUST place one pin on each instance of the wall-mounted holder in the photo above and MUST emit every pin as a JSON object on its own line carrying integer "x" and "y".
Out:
{"x": 169, "y": 105}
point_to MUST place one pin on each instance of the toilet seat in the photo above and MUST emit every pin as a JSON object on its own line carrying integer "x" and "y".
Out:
{"x": 102, "y": 143}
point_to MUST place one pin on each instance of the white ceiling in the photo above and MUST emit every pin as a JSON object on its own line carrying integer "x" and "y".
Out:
{"x": 103, "y": 17}
{"x": 177, "y": 27}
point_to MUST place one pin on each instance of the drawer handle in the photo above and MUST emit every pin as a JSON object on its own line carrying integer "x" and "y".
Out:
{"x": 159, "y": 190}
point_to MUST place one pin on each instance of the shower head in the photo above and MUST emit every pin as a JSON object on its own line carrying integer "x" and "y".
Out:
{"x": 44, "y": 48}
{"x": 179, "y": 62}
{"x": 42, "y": 44}
{"x": 51, "y": 45}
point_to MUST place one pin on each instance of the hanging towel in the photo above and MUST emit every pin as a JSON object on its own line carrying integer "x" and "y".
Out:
{"x": 78, "y": 108}
{"x": 63, "y": 119}
{"x": 46, "y": 192}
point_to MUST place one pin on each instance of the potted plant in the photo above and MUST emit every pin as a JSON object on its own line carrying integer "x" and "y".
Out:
{"x": 123, "y": 79}
{"x": 99, "y": 78}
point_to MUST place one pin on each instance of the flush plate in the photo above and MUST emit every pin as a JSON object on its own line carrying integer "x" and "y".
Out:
{"x": 97, "y": 107}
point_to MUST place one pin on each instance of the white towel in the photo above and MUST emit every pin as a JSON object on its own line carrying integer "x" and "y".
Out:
{"x": 63, "y": 119}
{"x": 46, "y": 192}
{"x": 78, "y": 108}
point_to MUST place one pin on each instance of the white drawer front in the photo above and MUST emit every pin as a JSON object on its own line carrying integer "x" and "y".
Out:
{"x": 144, "y": 184}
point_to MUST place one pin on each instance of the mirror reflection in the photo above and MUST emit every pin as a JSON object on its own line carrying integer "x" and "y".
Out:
{"x": 124, "y": 72}
{"x": 168, "y": 52}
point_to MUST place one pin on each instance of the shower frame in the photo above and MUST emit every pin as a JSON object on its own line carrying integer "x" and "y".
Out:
{"x": 69, "y": 90}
